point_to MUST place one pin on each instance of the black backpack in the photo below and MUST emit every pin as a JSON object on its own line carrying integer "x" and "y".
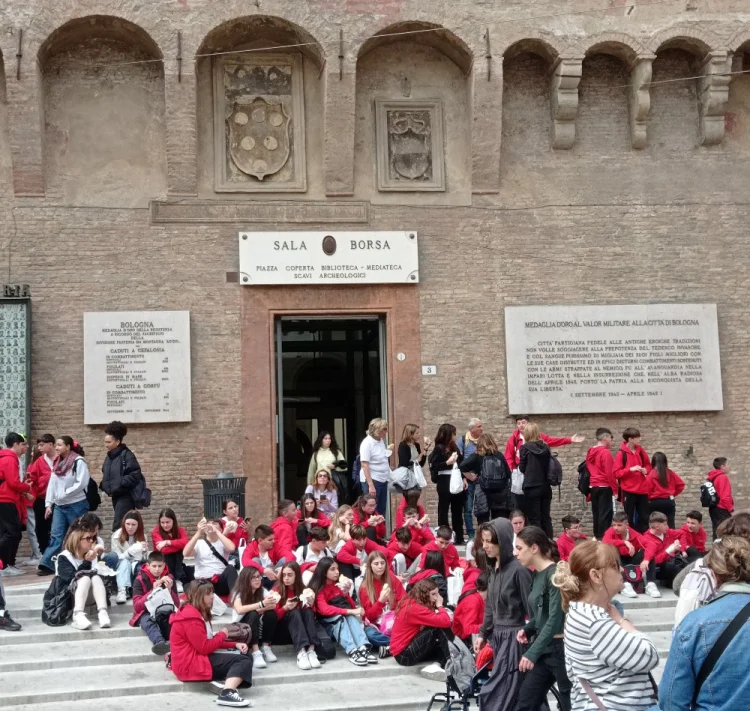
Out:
{"x": 555, "y": 473}
{"x": 142, "y": 494}
{"x": 92, "y": 495}
{"x": 709, "y": 497}
{"x": 584, "y": 479}
{"x": 495, "y": 474}
{"x": 57, "y": 604}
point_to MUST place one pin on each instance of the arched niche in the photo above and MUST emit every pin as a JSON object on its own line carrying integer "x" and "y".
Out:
{"x": 738, "y": 107}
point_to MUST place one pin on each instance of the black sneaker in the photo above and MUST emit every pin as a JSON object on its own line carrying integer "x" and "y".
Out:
{"x": 160, "y": 648}
{"x": 43, "y": 570}
{"x": 384, "y": 652}
{"x": 358, "y": 658}
{"x": 229, "y": 697}
{"x": 8, "y": 624}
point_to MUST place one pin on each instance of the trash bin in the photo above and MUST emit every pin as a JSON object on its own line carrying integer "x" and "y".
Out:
{"x": 216, "y": 491}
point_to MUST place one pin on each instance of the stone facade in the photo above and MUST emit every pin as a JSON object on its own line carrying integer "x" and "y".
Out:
{"x": 576, "y": 170}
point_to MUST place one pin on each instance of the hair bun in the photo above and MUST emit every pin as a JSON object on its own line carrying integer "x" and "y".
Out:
{"x": 564, "y": 579}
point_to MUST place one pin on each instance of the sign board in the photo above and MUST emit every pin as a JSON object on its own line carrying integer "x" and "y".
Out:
{"x": 136, "y": 366}
{"x": 578, "y": 359}
{"x": 15, "y": 366}
{"x": 328, "y": 258}
{"x": 429, "y": 370}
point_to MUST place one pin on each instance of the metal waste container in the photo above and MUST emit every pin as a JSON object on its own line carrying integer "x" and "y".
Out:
{"x": 216, "y": 491}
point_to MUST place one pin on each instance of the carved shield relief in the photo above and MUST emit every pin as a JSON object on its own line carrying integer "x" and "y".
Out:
{"x": 410, "y": 145}
{"x": 259, "y": 137}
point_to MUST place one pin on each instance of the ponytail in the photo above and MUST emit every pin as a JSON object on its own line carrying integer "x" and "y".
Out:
{"x": 74, "y": 446}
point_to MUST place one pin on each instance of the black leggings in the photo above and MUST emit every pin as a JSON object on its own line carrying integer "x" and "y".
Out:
{"x": 43, "y": 525}
{"x": 537, "y": 503}
{"x": 637, "y": 503}
{"x": 300, "y": 627}
{"x": 263, "y": 625}
{"x": 491, "y": 515}
{"x": 429, "y": 644}
{"x": 223, "y": 586}
{"x": 549, "y": 668}
{"x": 452, "y": 502}
{"x": 665, "y": 506}
{"x": 229, "y": 665}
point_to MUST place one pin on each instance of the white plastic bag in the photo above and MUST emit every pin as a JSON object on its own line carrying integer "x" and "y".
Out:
{"x": 455, "y": 585}
{"x": 457, "y": 481}
{"x": 419, "y": 475}
{"x": 219, "y": 607}
{"x": 516, "y": 482}
{"x": 402, "y": 479}
{"x": 158, "y": 597}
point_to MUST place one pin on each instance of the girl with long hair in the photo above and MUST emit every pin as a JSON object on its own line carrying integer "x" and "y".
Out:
{"x": 324, "y": 492}
{"x": 326, "y": 455}
{"x": 543, "y": 663}
{"x": 129, "y": 542}
{"x": 234, "y": 526}
{"x": 433, "y": 568}
{"x": 365, "y": 513}
{"x": 663, "y": 486}
{"x": 338, "y": 531}
{"x": 442, "y": 459}
{"x": 379, "y": 594}
{"x": 253, "y": 603}
{"x": 492, "y": 498}
{"x": 169, "y": 538}
{"x": 309, "y": 515}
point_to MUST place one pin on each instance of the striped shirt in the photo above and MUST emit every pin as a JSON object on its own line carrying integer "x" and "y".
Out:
{"x": 614, "y": 661}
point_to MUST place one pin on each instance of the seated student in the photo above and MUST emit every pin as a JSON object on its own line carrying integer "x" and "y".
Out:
{"x": 339, "y": 530}
{"x": 694, "y": 535}
{"x": 411, "y": 500}
{"x": 352, "y": 555}
{"x": 234, "y": 527}
{"x": 253, "y": 603}
{"x": 211, "y": 550}
{"x": 469, "y": 613}
{"x": 311, "y": 553}
{"x": 285, "y": 529}
{"x": 93, "y": 524}
{"x": 196, "y": 650}
{"x": 324, "y": 492}
{"x": 442, "y": 544}
{"x": 262, "y": 553}
{"x": 518, "y": 521}
{"x": 129, "y": 542}
{"x": 571, "y": 533}
{"x": 433, "y": 568}
{"x": 366, "y": 515}
{"x": 379, "y": 594}
{"x": 422, "y": 629}
{"x": 297, "y": 619}
{"x": 629, "y": 545}
{"x": 421, "y": 535}
{"x": 339, "y": 614}
{"x": 308, "y": 516}
{"x": 75, "y": 571}
{"x": 170, "y": 539}
{"x": 663, "y": 557}
{"x": 153, "y": 575}
{"x": 404, "y": 552}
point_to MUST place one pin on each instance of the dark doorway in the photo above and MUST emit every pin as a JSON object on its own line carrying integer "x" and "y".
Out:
{"x": 330, "y": 377}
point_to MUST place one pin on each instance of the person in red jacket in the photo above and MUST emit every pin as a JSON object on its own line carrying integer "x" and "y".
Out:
{"x": 603, "y": 483}
{"x": 662, "y": 547}
{"x": 404, "y": 552}
{"x": 469, "y": 613}
{"x": 366, "y": 515}
{"x": 443, "y": 544}
{"x": 421, "y": 534}
{"x": 422, "y": 629}
{"x": 153, "y": 574}
{"x": 663, "y": 486}
{"x": 13, "y": 494}
{"x": 628, "y": 543}
{"x": 694, "y": 535}
{"x": 571, "y": 533}
{"x": 351, "y": 557}
{"x": 632, "y": 466}
{"x": 38, "y": 476}
{"x": 170, "y": 539}
{"x": 412, "y": 499}
{"x": 513, "y": 445}
{"x": 262, "y": 552}
{"x": 285, "y": 529}
{"x": 195, "y": 648}
{"x": 381, "y": 590}
{"x": 308, "y": 516}
{"x": 236, "y": 528}
{"x": 724, "y": 508}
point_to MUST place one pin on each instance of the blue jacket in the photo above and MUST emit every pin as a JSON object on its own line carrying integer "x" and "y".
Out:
{"x": 727, "y": 688}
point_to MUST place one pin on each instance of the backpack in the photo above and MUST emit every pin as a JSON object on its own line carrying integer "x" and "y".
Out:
{"x": 634, "y": 575}
{"x": 460, "y": 667}
{"x": 92, "y": 495}
{"x": 142, "y": 494}
{"x": 709, "y": 497}
{"x": 555, "y": 473}
{"x": 57, "y": 604}
{"x": 356, "y": 468}
{"x": 584, "y": 479}
{"x": 494, "y": 474}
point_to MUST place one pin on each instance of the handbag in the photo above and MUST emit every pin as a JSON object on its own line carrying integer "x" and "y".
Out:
{"x": 457, "y": 481}
{"x": 239, "y": 632}
{"x": 402, "y": 479}
{"x": 159, "y": 598}
{"x": 419, "y": 476}
{"x": 516, "y": 482}
{"x": 386, "y": 622}
{"x": 57, "y": 605}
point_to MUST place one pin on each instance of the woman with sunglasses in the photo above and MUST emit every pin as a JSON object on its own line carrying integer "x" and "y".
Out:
{"x": 324, "y": 492}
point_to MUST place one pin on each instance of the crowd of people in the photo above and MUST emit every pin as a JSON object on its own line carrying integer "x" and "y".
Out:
{"x": 326, "y": 575}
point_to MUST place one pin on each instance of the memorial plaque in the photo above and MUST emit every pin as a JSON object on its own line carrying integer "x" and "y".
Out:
{"x": 136, "y": 366}
{"x": 15, "y": 359}
{"x": 578, "y": 359}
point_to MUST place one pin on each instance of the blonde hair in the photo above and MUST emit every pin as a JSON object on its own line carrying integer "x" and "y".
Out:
{"x": 408, "y": 434}
{"x": 73, "y": 540}
{"x": 336, "y": 526}
{"x": 729, "y": 558}
{"x": 376, "y": 426}
{"x": 531, "y": 432}
{"x": 329, "y": 486}
{"x": 573, "y": 578}
{"x": 486, "y": 445}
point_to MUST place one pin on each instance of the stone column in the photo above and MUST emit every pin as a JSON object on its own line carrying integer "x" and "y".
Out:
{"x": 566, "y": 76}
{"x": 714, "y": 95}
{"x": 639, "y": 99}
{"x": 339, "y": 128}
{"x": 487, "y": 125}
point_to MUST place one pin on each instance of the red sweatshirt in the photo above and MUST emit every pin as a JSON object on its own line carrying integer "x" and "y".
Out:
{"x": 632, "y": 482}
{"x": 469, "y": 615}
{"x": 285, "y": 542}
{"x": 379, "y": 529}
{"x": 400, "y": 513}
{"x": 634, "y": 538}
{"x": 253, "y": 551}
{"x": 374, "y": 609}
{"x": 239, "y": 534}
{"x": 12, "y": 488}
{"x": 37, "y": 476}
{"x": 349, "y": 553}
{"x": 513, "y": 446}
{"x": 413, "y": 552}
{"x": 674, "y": 486}
{"x": 142, "y": 586}
{"x": 565, "y": 545}
{"x": 723, "y": 489}
{"x": 697, "y": 540}
{"x": 470, "y": 579}
{"x": 190, "y": 645}
{"x": 450, "y": 556}
{"x": 601, "y": 468}
{"x": 656, "y": 549}
{"x": 323, "y": 598}
{"x": 411, "y": 619}
{"x": 174, "y": 545}
{"x": 323, "y": 520}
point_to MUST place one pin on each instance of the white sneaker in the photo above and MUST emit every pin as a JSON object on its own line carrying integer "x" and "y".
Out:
{"x": 434, "y": 671}
{"x": 34, "y": 560}
{"x": 627, "y": 591}
{"x": 80, "y": 621}
{"x": 122, "y": 596}
{"x": 258, "y": 661}
{"x": 313, "y": 659}
{"x": 303, "y": 661}
{"x": 652, "y": 590}
{"x": 268, "y": 654}
{"x": 12, "y": 571}
{"x": 104, "y": 619}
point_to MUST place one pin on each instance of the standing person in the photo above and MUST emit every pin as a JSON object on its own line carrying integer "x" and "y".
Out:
{"x": 632, "y": 466}
{"x": 121, "y": 472}
{"x": 491, "y": 497}
{"x": 506, "y": 611}
{"x": 324, "y": 492}
{"x": 66, "y": 497}
{"x": 602, "y": 648}
{"x": 410, "y": 452}
{"x": 325, "y": 457}
{"x": 724, "y": 508}
{"x": 544, "y": 661}
{"x": 603, "y": 483}
{"x": 663, "y": 486}
{"x": 467, "y": 445}
{"x": 170, "y": 539}
{"x": 442, "y": 459}
{"x": 7, "y": 623}
{"x": 38, "y": 476}
{"x": 537, "y": 492}
{"x": 13, "y": 494}
{"x": 373, "y": 456}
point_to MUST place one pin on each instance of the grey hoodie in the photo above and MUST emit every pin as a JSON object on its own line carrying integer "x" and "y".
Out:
{"x": 509, "y": 586}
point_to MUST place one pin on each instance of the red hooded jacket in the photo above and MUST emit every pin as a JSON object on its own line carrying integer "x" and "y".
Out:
{"x": 174, "y": 545}
{"x": 723, "y": 489}
{"x": 252, "y": 550}
{"x": 400, "y": 513}
{"x": 37, "y": 476}
{"x": 350, "y": 555}
{"x": 142, "y": 586}
{"x": 634, "y": 538}
{"x": 411, "y": 619}
{"x": 469, "y": 614}
{"x": 323, "y": 520}
{"x": 656, "y": 549}
{"x": 190, "y": 645}
{"x": 239, "y": 534}
{"x": 379, "y": 529}
{"x": 285, "y": 540}
{"x": 513, "y": 446}
{"x": 601, "y": 468}
{"x": 632, "y": 482}
{"x": 374, "y": 609}
{"x": 450, "y": 556}
{"x": 323, "y": 606}
{"x": 12, "y": 489}
{"x": 411, "y": 554}
{"x": 470, "y": 579}
{"x": 696, "y": 540}
{"x": 674, "y": 487}
{"x": 566, "y": 544}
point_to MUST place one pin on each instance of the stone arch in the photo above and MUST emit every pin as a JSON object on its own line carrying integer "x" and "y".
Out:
{"x": 697, "y": 41}
{"x": 424, "y": 33}
{"x": 545, "y": 46}
{"x": 740, "y": 41}
{"x": 616, "y": 44}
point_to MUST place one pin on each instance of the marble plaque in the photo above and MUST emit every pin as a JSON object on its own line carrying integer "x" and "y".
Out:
{"x": 15, "y": 357}
{"x": 619, "y": 358}
{"x": 136, "y": 366}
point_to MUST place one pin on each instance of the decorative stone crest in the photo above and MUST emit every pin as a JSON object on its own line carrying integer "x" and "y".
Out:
{"x": 714, "y": 95}
{"x": 409, "y": 145}
{"x": 564, "y": 101}
{"x": 259, "y": 124}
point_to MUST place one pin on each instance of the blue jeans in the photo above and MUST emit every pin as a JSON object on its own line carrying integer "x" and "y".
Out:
{"x": 469, "y": 510}
{"x": 376, "y": 637}
{"x": 347, "y": 630}
{"x": 62, "y": 517}
{"x": 125, "y": 573}
{"x": 381, "y": 496}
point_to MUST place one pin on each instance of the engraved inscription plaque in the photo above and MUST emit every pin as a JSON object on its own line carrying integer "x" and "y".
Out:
{"x": 15, "y": 366}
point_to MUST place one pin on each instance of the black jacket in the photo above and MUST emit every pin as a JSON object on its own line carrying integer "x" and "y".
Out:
{"x": 494, "y": 499}
{"x": 534, "y": 464}
{"x": 67, "y": 569}
{"x": 404, "y": 455}
{"x": 121, "y": 472}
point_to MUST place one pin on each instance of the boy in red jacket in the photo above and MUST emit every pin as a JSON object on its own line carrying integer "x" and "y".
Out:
{"x": 354, "y": 553}
{"x": 632, "y": 465}
{"x": 151, "y": 576}
{"x": 567, "y": 539}
{"x": 285, "y": 529}
{"x": 404, "y": 552}
{"x": 513, "y": 445}
{"x": 603, "y": 483}
{"x": 37, "y": 476}
{"x": 662, "y": 546}
{"x": 628, "y": 543}
{"x": 469, "y": 614}
{"x": 422, "y": 535}
{"x": 725, "y": 506}
{"x": 13, "y": 495}
{"x": 694, "y": 535}
{"x": 262, "y": 553}
{"x": 443, "y": 544}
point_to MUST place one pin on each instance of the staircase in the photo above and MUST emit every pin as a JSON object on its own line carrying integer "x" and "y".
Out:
{"x": 48, "y": 668}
